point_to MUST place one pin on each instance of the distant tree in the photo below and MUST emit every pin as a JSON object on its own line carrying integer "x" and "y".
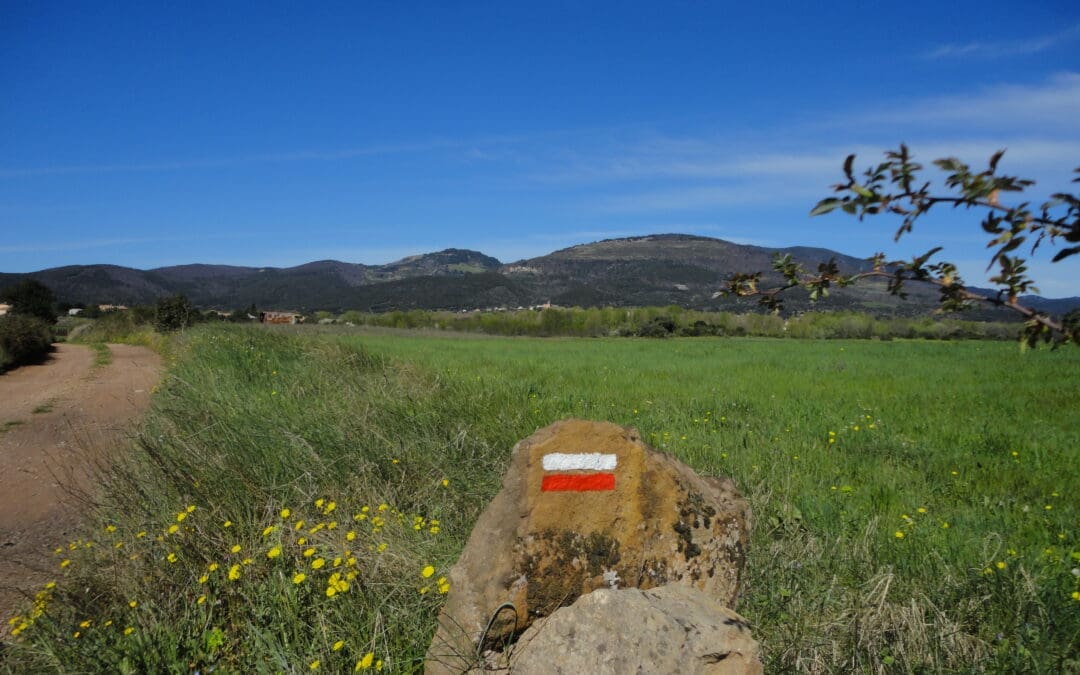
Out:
{"x": 893, "y": 187}
{"x": 30, "y": 297}
{"x": 174, "y": 313}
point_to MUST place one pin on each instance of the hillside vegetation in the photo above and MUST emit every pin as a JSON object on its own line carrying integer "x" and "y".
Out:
{"x": 295, "y": 499}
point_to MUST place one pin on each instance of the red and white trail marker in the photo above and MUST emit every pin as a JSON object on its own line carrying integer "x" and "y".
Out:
{"x": 593, "y": 471}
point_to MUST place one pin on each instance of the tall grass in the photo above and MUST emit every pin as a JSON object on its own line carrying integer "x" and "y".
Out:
{"x": 247, "y": 426}
{"x": 914, "y": 502}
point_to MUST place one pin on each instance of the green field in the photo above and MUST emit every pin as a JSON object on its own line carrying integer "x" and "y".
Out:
{"x": 914, "y": 502}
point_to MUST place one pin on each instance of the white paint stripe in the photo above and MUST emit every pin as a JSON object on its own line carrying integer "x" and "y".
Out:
{"x": 588, "y": 461}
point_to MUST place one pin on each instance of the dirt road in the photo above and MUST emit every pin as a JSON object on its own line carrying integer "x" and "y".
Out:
{"x": 56, "y": 420}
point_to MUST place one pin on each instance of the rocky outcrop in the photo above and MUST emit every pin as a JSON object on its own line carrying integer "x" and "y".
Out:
{"x": 586, "y": 506}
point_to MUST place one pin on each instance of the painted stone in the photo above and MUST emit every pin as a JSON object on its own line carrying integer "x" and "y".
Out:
{"x": 586, "y": 505}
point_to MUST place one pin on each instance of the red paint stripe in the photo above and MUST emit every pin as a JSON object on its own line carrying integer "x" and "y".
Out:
{"x": 578, "y": 483}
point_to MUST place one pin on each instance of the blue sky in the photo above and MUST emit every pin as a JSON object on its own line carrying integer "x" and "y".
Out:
{"x": 151, "y": 134}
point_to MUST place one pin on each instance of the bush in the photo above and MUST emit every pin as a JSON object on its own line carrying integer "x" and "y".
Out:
{"x": 23, "y": 339}
{"x": 30, "y": 297}
{"x": 174, "y": 313}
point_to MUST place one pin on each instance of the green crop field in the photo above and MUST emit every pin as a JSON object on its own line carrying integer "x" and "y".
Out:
{"x": 914, "y": 502}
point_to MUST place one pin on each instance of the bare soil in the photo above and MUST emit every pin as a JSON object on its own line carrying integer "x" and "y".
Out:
{"x": 57, "y": 421}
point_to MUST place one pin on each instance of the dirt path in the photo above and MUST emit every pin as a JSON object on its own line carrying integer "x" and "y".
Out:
{"x": 56, "y": 420}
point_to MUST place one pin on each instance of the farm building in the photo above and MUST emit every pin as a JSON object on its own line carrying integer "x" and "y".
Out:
{"x": 280, "y": 317}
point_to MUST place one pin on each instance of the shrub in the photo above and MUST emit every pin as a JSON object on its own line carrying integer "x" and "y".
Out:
{"x": 23, "y": 339}
{"x": 174, "y": 313}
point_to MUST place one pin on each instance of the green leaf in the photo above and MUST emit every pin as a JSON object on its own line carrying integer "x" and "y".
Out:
{"x": 825, "y": 206}
{"x": 863, "y": 192}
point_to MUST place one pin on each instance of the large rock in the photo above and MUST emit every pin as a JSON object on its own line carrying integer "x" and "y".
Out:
{"x": 606, "y": 511}
{"x": 671, "y": 629}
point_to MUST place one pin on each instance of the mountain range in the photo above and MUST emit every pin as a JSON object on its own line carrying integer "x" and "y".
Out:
{"x": 658, "y": 269}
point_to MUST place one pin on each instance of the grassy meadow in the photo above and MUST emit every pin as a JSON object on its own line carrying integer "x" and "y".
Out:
{"x": 914, "y": 502}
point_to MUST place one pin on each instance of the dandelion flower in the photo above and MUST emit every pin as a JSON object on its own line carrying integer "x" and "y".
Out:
{"x": 201, "y": 600}
{"x": 319, "y": 503}
{"x": 1001, "y": 564}
{"x": 269, "y": 529}
{"x": 171, "y": 557}
{"x": 173, "y": 529}
{"x": 285, "y": 513}
{"x": 204, "y": 578}
{"x": 212, "y": 567}
{"x": 85, "y": 624}
{"x": 129, "y": 630}
{"x": 299, "y": 578}
{"x": 235, "y": 548}
{"x": 317, "y": 563}
{"x": 274, "y": 552}
{"x": 246, "y": 561}
{"x": 180, "y": 517}
{"x": 314, "y": 665}
{"x": 309, "y": 552}
{"x": 898, "y": 534}
{"x": 446, "y": 482}
{"x": 427, "y": 571}
{"x": 921, "y": 509}
{"x": 365, "y": 663}
{"x": 133, "y": 604}
{"x": 1076, "y": 595}
{"x": 64, "y": 563}
{"x": 234, "y": 573}
{"x": 227, "y": 523}
{"x": 110, "y": 528}
{"x": 338, "y": 645}
{"x": 350, "y": 535}
{"x": 299, "y": 525}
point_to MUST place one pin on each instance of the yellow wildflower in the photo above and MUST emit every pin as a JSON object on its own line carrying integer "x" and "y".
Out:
{"x": 204, "y": 578}
{"x": 309, "y": 552}
{"x": 173, "y": 529}
{"x": 338, "y": 645}
{"x": 235, "y": 548}
{"x": 129, "y": 630}
{"x": 171, "y": 557}
{"x": 285, "y": 513}
{"x": 269, "y": 529}
{"x": 427, "y": 571}
{"x": 314, "y": 665}
{"x": 212, "y": 567}
{"x": 898, "y": 534}
{"x": 365, "y": 663}
{"x": 317, "y": 563}
{"x": 274, "y": 552}
{"x": 234, "y": 573}
{"x": 299, "y": 578}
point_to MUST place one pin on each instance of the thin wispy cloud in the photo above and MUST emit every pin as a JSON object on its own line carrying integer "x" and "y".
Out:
{"x": 255, "y": 158}
{"x": 1003, "y": 48}
{"x": 112, "y": 242}
{"x": 1051, "y": 104}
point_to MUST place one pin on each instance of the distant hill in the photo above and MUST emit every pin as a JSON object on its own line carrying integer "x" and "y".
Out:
{"x": 658, "y": 269}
